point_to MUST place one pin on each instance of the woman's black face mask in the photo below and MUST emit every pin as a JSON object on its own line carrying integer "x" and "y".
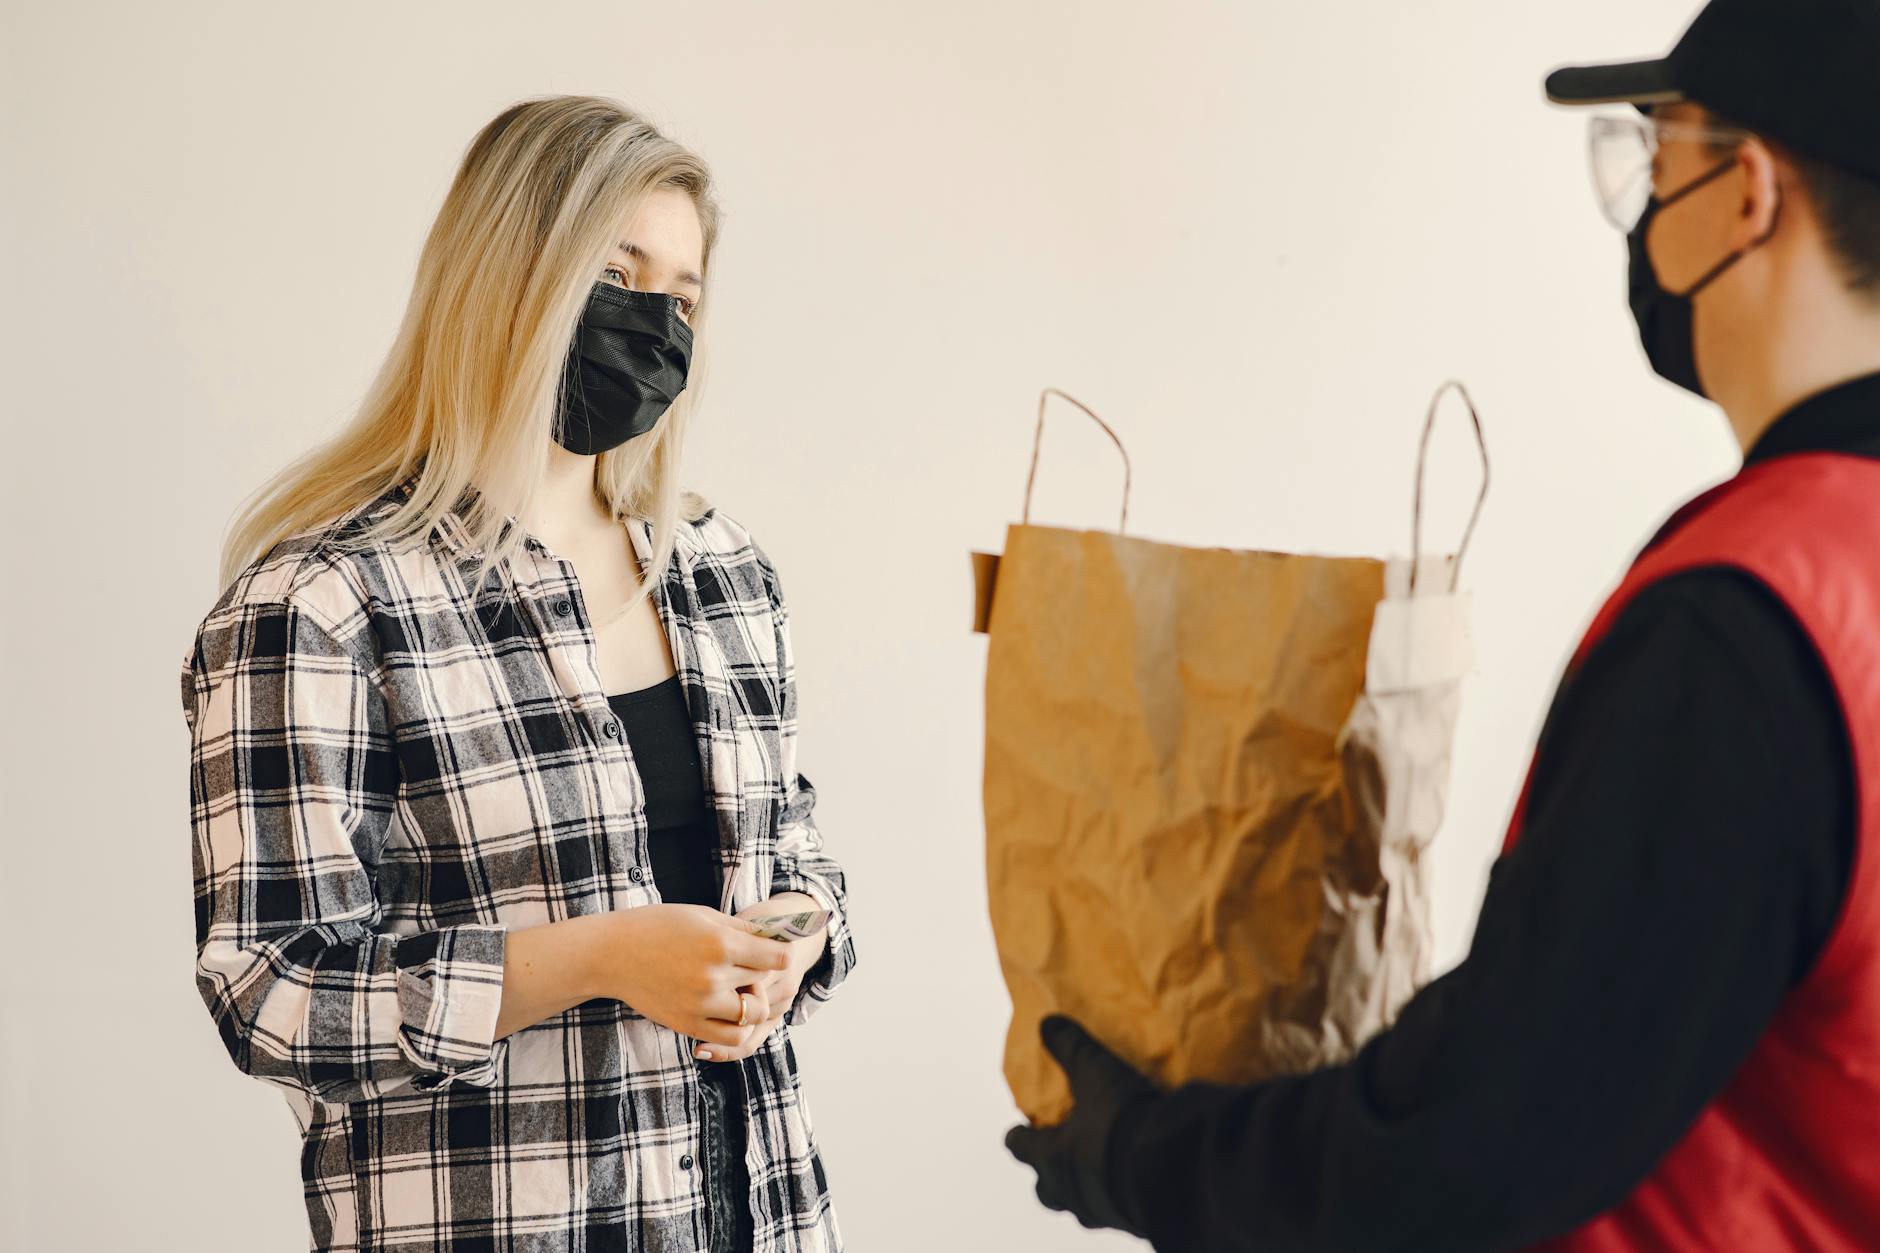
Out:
{"x": 626, "y": 366}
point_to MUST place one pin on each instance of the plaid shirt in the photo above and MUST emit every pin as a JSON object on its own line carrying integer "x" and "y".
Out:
{"x": 387, "y": 772}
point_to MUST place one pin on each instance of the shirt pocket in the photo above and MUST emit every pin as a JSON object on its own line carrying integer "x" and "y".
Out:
{"x": 501, "y": 803}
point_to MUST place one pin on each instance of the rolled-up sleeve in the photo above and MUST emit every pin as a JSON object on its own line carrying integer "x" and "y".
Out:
{"x": 803, "y": 866}
{"x": 802, "y": 863}
{"x": 293, "y": 786}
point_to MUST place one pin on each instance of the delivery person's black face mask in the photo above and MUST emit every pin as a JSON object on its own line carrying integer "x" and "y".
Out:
{"x": 626, "y": 366}
{"x": 1666, "y": 319}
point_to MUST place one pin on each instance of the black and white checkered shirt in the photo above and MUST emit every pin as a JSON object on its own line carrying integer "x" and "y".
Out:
{"x": 387, "y": 772}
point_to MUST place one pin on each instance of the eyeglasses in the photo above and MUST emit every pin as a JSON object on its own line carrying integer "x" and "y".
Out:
{"x": 1622, "y": 151}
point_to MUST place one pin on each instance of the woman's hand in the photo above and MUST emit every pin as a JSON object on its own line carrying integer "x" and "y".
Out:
{"x": 683, "y": 966}
{"x": 777, "y": 990}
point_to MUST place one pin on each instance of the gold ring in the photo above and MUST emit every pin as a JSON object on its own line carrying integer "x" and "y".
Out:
{"x": 744, "y": 1008}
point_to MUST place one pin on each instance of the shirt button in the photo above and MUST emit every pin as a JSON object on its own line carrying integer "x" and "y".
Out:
{"x": 637, "y": 874}
{"x": 563, "y": 609}
{"x": 685, "y": 1163}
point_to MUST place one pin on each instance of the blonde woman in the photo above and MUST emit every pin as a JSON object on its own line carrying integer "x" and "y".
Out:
{"x": 494, "y": 733}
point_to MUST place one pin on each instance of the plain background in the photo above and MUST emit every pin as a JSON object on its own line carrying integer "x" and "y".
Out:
{"x": 1255, "y": 236}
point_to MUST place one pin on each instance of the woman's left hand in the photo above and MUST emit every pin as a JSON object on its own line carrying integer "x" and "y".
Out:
{"x": 778, "y": 989}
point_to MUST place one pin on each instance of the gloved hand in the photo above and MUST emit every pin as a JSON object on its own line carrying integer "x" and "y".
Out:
{"x": 1070, "y": 1158}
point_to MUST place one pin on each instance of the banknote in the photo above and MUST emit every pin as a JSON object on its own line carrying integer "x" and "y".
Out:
{"x": 790, "y": 926}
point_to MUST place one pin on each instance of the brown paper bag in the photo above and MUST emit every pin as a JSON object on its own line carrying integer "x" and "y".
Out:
{"x": 1209, "y": 779}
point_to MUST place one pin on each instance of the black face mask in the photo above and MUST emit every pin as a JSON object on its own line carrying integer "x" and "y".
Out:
{"x": 1666, "y": 320}
{"x": 626, "y": 366}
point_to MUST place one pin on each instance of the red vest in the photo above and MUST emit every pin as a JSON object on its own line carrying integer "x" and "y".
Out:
{"x": 1787, "y": 1156}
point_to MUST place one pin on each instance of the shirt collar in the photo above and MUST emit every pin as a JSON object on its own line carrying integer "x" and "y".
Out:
{"x": 1844, "y": 417}
{"x": 451, "y": 535}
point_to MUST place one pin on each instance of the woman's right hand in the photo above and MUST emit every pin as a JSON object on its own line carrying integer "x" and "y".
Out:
{"x": 682, "y": 966}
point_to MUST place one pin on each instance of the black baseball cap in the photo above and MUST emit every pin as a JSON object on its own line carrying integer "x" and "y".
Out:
{"x": 1804, "y": 73}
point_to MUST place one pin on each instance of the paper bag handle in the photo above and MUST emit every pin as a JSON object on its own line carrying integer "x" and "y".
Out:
{"x": 1416, "y": 513}
{"x": 1037, "y": 442}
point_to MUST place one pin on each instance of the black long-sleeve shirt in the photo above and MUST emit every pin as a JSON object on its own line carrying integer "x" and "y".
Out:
{"x": 1688, "y": 841}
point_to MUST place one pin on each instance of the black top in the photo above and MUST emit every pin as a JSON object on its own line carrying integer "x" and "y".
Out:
{"x": 1689, "y": 837}
{"x": 682, "y": 838}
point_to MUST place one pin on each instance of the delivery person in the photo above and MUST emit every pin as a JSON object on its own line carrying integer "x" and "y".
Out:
{"x": 1667, "y": 1033}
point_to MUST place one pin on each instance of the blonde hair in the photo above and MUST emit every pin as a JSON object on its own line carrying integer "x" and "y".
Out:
{"x": 467, "y": 394}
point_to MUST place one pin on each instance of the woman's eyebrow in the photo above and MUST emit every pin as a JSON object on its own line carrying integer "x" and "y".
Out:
{"x": 638, "y": 253}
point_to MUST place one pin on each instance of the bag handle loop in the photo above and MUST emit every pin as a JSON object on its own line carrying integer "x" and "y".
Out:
{"x": 1037, "y": 442}
{"x": 1416, "y": 514}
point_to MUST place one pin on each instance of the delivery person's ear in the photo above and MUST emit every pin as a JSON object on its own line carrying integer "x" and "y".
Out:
{"x": 1761, "y": 206}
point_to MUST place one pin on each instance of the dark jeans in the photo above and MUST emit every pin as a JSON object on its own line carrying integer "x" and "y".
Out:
{"x": 727, "y": 1182}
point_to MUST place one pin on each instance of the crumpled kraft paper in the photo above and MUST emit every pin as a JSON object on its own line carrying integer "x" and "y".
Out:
{"x": 1209, "y": 778}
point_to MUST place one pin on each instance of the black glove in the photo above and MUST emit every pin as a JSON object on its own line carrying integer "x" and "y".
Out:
{"x": 1070, "y": 1158}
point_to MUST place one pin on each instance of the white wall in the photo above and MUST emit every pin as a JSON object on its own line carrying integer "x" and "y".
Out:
{"x": 1253, "y": 235}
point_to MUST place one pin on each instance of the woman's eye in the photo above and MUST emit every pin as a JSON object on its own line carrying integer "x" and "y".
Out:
{"x": 618, "y": 276}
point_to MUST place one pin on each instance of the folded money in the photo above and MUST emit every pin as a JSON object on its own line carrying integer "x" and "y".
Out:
{"x": 790, "y": 926}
